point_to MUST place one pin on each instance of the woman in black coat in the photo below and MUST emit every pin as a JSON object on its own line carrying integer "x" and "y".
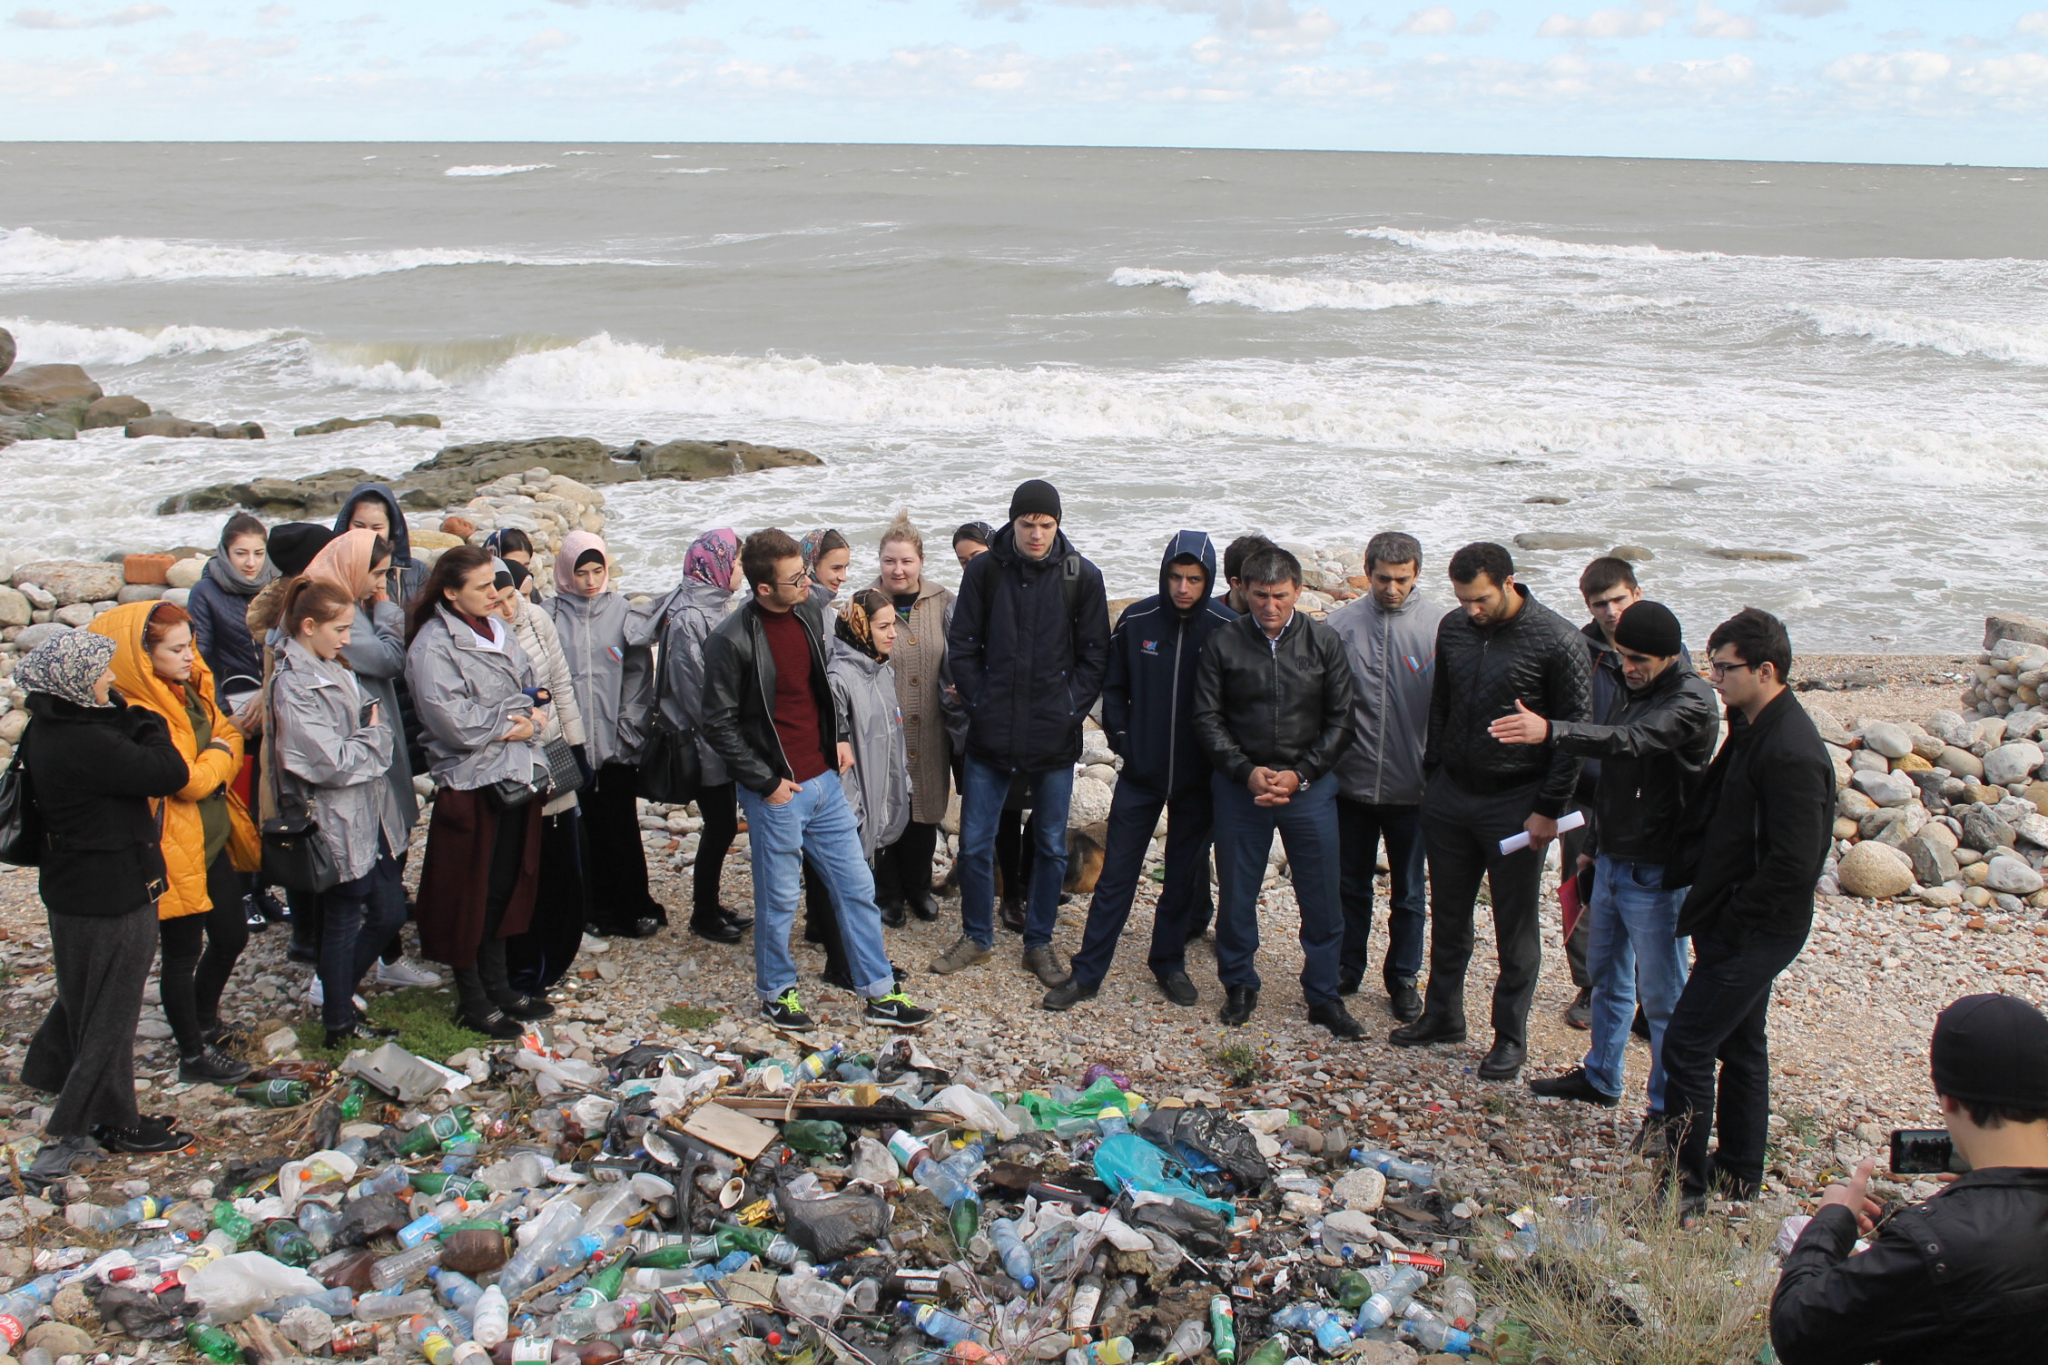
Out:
{"x": 93, "y": 764}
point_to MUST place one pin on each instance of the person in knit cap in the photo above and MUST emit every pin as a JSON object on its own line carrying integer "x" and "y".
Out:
{"x": 1029, "y": 643}
{"x": 1653, "y": 756}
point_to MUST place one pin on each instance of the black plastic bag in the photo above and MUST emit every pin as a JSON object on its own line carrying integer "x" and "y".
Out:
{"x": 835, "y": 1227}
{"x": 1196, "y": 1228}
{"x": 140, "y": 1314}
{"x": 368, "y": 1217}
{"x": 1209, "y": 1137}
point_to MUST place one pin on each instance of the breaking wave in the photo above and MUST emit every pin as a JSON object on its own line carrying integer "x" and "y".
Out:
{"x": 1540, "y": 248}
{"x": 1293, "y": 294}
{"x": 1984, "y": 341}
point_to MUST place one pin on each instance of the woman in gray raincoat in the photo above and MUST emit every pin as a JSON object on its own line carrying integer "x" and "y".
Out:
{"x": 864, "y": 695}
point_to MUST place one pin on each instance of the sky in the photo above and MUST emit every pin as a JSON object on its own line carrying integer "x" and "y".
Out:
{"x": 1829, "y": 80}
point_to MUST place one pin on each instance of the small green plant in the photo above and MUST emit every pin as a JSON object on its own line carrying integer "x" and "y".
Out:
{"x": 1495, "y": 1103}
{"x": 1242, "y": 1063}
{"x": 689, "y": 1018}
{"x": 424, "y": 1018}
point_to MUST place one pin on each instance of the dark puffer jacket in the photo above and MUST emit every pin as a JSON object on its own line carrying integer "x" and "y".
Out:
{"x": 1535, "y": 657}
{"x": 1283, "y": 704}
{"x": 738, "y": 718}
{"x": 94, "y": 770}
{"x": 1654, "y": 757}
{"x": 1026, "y": 667}
{"x": 1148, "y": 701}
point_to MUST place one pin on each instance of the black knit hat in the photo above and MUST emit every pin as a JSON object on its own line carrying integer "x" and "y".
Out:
{"x": 1033, "y": 498}
{"x": 1649, "y": 628}
{"x": 1992, "y": 1049}
{"x": 293, "y": 545}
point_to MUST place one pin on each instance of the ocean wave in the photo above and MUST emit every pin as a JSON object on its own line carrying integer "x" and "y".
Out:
{"x": 1293, "y": 294}
{"x": 1974, "y": 340}
{"x": 27, "y": 255}
{"x": 415, "y": 367}
{"x": 1541, "y": 248}
{"x": 502, "y": 170}
{"x": 690, "y": 170}
{"x": 70, "y": 344}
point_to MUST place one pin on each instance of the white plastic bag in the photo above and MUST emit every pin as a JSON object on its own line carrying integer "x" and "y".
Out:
{"x": 247, "y": 1282}
{"x": 977, "y": 1109}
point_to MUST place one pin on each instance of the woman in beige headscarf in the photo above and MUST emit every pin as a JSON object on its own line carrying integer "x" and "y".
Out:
{"x": 903, "y": 870}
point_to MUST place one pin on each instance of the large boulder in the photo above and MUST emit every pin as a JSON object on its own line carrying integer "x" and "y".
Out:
{"x": 2010, "y": 763}
{"x": 1885, "y": 788}
{"x": 35, "y": 426}
{"x": 1933, "y": 861}
{"x": 163, "y": 424}
{"x": 1960, "y": 762}
{"x": 1984, "y": 831}
{"x": 1090, "y": 802}
{"x": 1875, "y": 871}
{"x": 72, "y": 580}
{"x": 2007, "y": 625}
{"x": 396, "y": 419}
{"x": 115, "y": 410}
{"x": 1888, "y": 738}
{"x": 14, "y": 608}
{"x": 1556, "y": 540}
{"x": 2011, "y": 875}
{"x": 38, "y": 388}
{"x": 40, "y": 633}
{"x": 6, "y": 350}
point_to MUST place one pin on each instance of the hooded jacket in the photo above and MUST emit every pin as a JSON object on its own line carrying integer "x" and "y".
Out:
{"x": 1609, "y": 691}
{"x": 1536, "y": 657}
{"x": 1653, "y": 755}
{"x": 614, "y": 677}
{"x": 209, "y": 769}
{"x": 337, "y": 763}
{"x": 1283, "y": 704}
{"x": 412, "y": 574}
{"x": 1393, "y": 665}
{"x": 739, "y": 696}
{"x": 467, "y": 693}
{"x": 95, "y": 769}
{"x": 680, "y": 622}
{"x": 1148, "y": 697}
{"x": 924, "y": 676}
{"x": 878, "y": 784}
{"x": 220, "y": 621}
{"x": 1027, "y": 669}
{"x": 376, "y": 653}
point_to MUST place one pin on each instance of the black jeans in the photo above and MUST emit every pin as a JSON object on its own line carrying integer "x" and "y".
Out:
{"x": 617, "y": 866}
{"x": 199, "y": 955}
{"x": 721, "y": 812}
{"x": 1133, "y": 815}
{"x": 1721, "y": 1016}
{"x": 904, "y": 868}
{"x": 1360, "y": 827}
{"x": 1462, "y": 832}
{"x": 357, "y": 918}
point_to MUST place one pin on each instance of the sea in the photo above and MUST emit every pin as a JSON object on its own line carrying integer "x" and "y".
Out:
{"x": 1842, "y": 364}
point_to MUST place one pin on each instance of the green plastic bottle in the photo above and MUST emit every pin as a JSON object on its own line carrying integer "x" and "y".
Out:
{"x": 446, "y": 1186}
{"x": 819, "y": 1137}
{"x": 1353, "y": 1289}
{"x": 213, "y": 1343}
{"x": 435, "y": 1132}
{"x": 965, "y": 1220}
{"x": 275, "y": 1094}
{"x": 1272, "y": 1351}
{"x": 769, "y": 1246}
{"x": 1223, "y": 1330}
{"x": 352, "y": 1102}
{"x": 287, "y": 1242}
{"x": 230, "y": 1220}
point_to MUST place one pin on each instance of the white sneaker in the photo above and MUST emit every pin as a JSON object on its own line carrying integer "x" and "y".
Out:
{"x": 316, "y": 996}
{"x": 404, "y": 973}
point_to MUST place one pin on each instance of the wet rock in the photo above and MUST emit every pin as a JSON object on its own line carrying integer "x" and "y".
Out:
{"x": 1634, "y": 554}
{"x": 396, "y": 419}
{"x": 1555, "y": 540}
{"x": 39, "y": 388}
{"x": 6, "y": 350}
{"x": 72, "y": 580}
{"x": 1756, "y": 556}
{"x": 163, "y": 424}
{"x": 115, "y": 410}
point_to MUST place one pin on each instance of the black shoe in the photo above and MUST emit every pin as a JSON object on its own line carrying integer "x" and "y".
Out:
{"x": 896, "y": 1010}
{"x": 1011, "y": 913}
{"x": 735, "y": 918}
{"x": 1404, "y": 1002}
{"x": 1238, "y": 1004}
{"x": 786, "y": 1012}
{"x": 1574, "y": 1085}
{"x": 1503, "y": 1061}
{"x": 1641, "y": 1027}
{"x": 525, "y": 1007}
{"x": 495, "y": 1025}
{"x": 923, "y": 906}
{"x": 1176, "y": 987}
{"x": 1428, "y": 1028}
{"x": 1348, "y": 986}
{"x": 212, "y": 1067}
{"x": 1649, "y": 1139}
{"x": 252, "y": 915}
{"x": 893, "y": 914}
{"x": 1044, "y": 963}
{"x": 715, "y": 930}
{"x": 359, "y": 1032}
{"x": 219, "y": 1034}
{"x": 647, "y": 926}
{"x": 1580, "y": 1012}
{"x": 274, "y": 910}
{"x": 1068, "y": 994}
{"x": 1332, "y": 1015}
{"x": 150, "y": 1136}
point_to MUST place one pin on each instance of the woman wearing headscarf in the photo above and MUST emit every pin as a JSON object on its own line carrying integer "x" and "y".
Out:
{"x": 481, "y": 728}
{"x": 514, "y": 546}
{"x": 614, "y": 692}
{"x": 538, "y": 958}
{"x": 903, "y": 869}
{"x": 97, "y": 764}
{"x": 864, "y": 691}
{"x": 207, "y": 831}
{"x": 679, "y": 622}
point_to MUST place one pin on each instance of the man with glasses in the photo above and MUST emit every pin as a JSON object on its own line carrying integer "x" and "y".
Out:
{"x": 1751, "y": 850}
{"x": 1653, "y": 754}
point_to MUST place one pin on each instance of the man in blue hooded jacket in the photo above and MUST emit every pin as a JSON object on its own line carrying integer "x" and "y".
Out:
{"x": 1148, "y": 707}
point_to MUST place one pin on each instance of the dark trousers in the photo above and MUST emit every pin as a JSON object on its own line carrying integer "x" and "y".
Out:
{"x": 1133, "y": 815}
{"x": 1721, "y": 1016}
{"x": 904, "y": 868}
{"x": 1570, "y": 845}
{"x": 85, "y": 1051}
{"x": 1307, "y": 826}
{"x": 538, "y": 958}
{"x": 357, "y": 918}
{"x": 474, "y": 985}
{"x": 1013, "y": 854}
{"x": 721, "y": 814}
{"x": 617, "y": 865}
{"x": 199, "y": 954}
{"x": 1462, "y": 832}
{"x": 1360, "y": 827}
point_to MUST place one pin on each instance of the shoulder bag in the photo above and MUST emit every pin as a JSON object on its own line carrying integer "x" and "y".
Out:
{"x": 21, "y": 823}
{"x": 671, "y": 769}
{"x": 295, "y": 856}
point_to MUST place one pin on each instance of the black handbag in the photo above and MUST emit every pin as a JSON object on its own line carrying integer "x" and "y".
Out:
{"x": 295, "y": 856}
{"x": 509, "y": 793}
{"x": 671, "y": 769}
{"x": 565, "y": 774}
{"x": 21, "y": 823}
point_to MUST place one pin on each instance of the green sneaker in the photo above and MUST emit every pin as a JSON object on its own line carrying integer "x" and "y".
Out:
{"x": 786, "y": 1012}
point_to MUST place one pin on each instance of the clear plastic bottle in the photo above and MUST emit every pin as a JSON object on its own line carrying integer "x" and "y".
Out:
{"x": 18, "y": 1313}
{"x": 385, "y": 1307}
{"x": 1329, "y": 1330}
{"x": 1460, "y": 1304}
{"x": 707, "y": 1331}
{"x": 936, "y": 1322}
{"x": 1052, "y": 1250}
{"x": 1188, "y": 1341}
{"x": 456, "y": 1289}
{"x": 1395, "y": 1168}
{"x": 319, "y": 1223}
{"x": 391, "y": 1180}
{"x": 1086, "y": 1302}
{"x": 1112, "y": 1121}
{"x": 803, "y": 1293}
{"x": 490, "y": 1318}
{"x": 817, "y": 1064}
{"x": 406, "y": 1265}
{"x": 612, "y": 1208}
{"x": 337, "y": 1302}
{"x": 1385, "y": 1306}
{"x": 1440, "y": 1336}
{"x": 1015, "y": 1257}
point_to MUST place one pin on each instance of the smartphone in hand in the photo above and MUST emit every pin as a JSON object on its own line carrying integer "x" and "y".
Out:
{"x": 1926, "y": 1151}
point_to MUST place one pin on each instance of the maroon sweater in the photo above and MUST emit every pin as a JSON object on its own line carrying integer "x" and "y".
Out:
{"x": 796, "y": 699}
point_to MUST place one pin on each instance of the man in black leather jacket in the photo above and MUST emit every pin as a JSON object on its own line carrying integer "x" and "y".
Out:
{"x": 1273, "y": 712}
{"x": 1958, "y": 1278}
{"x": 1653, "y": 755}
{"x": 1503, "y": 647}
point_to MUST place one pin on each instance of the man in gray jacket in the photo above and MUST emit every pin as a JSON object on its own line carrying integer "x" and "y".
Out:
{"x": 1390, "y": 637}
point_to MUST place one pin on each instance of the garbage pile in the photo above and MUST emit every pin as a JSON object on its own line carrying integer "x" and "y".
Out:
{"x": 800, "y": 1208}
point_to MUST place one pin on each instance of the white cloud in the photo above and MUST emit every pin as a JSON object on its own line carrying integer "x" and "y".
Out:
{"x": 546, "y": 41}
{"x": 1646, "y": 19}
{"x": 120, "y": 18}
{"x": 1712, "y": 22}
{"x": 1481, "y": 22}
{"x": 1807, "y": 9}
{"x": 270, "y": 16}
{"x": 1437, "y": 19}
{"x": 2037, "y": 22}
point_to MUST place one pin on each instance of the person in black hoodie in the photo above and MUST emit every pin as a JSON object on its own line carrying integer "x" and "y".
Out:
{"x": 1148, "y": 704}
{"x": 94, "y": 764}
{"x": 1029, "y": 644}
{"x": 1751, "y": 855}
{"x": 1503, "y": 647}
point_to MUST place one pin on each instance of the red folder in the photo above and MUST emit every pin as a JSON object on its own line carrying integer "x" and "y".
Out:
{"x": 1574, "y": 894}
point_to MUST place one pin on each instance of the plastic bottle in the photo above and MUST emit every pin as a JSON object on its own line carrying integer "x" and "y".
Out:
{"x": 964, "y": 1218}
{"x": 1394, "y": 1167}
{"x": 1460, "y": 1303}
{"x": 1052, "y": 1250}
{"x": 936, "y": 1322}
{"x": 1440, "y": 1336}
{"x": 1010, "y": 1248}
{"x": 1385, "y": 1306}
{"x": 1189, "y": 1340}
{"x": 1273, "y": 1350}
{"x": 435, "y": 1133}
{"x": 337, "y": 1302}
{"x": 214, "y": 1344}
{"x": 1329, "y": 1330}
{"x": 906, "y": 1148}
{"x": 18, "y": 1313}
{"x": 274, "y": 1094}
{"x": 490, "y": 1318}
{"x": 803, "y": 1294}
{"x": 1223, "y": 1330}
{"x": 1112, "y": 1121}
{"x": 709, "y": 1330}
{"x": 471, "y": 1352}
{"x": 445, "y": 1186}
{"x": 1086, "y": 1302}
{"x": 577, "y": 1250}
{"x": 319, "y": 1223}
{"x": 769, "y": 1246}
{"x": 815, "y": 1066}
{"x": 432, "y": 1341}
{"x": 384, "y": 1307}
{"x": 420, "y": 1229}
{"x": 406, "y": 1265}
{"x": 456, "y": 1289}
{"x": 1114, "y": 1351}
{"x": 286, "y": 1242}
{"x": 390, "y": 1180}
{"x": 102, "y": 1218}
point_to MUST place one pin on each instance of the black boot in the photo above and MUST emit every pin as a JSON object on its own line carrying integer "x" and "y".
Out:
{"x": 474, "y": 1010}
{"x": 498, "y": 987}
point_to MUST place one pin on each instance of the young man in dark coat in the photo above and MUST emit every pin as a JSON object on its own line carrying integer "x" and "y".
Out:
{"x": 1029, "y": 644}
{"x": 1751, "y": 857}
{"x": 1148, "y": 706}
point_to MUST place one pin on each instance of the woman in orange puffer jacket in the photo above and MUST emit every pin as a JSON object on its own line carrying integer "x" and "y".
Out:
{"x": 207, "y": 834}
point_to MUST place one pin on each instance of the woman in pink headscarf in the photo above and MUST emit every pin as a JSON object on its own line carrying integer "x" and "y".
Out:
{"x": 614, "y": 692}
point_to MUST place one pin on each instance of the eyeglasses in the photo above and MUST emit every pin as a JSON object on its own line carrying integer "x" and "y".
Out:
{"x": 799, "y": 581}
{"x": 1717, "y": 669}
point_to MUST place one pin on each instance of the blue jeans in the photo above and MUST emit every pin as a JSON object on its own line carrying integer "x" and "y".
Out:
{"x": 357, "y": 918}
{"x": 983, "y": 790}
{"x": 815, "y": 824}
{"x": 1307, "y": 826}
{"x": 1133, "y": 815}
{"x": 1630, "y": 951}
{"x": 1361, "y": 826}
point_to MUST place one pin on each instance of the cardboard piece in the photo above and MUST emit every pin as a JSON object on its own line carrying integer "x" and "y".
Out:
{"x": 729, "y": 1131}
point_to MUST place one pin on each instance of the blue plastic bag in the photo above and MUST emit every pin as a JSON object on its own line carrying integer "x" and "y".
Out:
{"x": 1128, "y": 1162}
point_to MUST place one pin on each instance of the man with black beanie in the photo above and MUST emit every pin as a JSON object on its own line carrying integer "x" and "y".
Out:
{"x": 1963, "y": 1276}
{"x": 1029, "y": 645}
{"x": 1653, "y": 754}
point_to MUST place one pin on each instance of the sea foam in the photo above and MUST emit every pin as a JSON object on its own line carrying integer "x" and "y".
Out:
{"x": 1540, "y": 248}
{"x": 71, "y": 344}
{"x": 1293, "y": 294}
{"x": 1984, "y": 341}
{"x": 502, "y": 170}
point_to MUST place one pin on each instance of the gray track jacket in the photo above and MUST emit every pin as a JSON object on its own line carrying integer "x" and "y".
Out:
{"x": 614, "y": 677}
{"x": 466, "y": 693}
{"x": 1393, "y": 664}
{"x": 878, "y": 783}
{"x": 337, "y": 764}
{"x": 376, "y": 652}
{"x": 680, "y": 621}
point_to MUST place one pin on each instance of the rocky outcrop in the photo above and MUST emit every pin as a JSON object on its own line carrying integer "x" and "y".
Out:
{"x": 44, "y": 388}
{"x": 115, "y": 410}
{"x": 6, "y": 350}
{"x": 163, "y": 424}
{"x": 396, "y": 419}
{"x": 455, "y": 475}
